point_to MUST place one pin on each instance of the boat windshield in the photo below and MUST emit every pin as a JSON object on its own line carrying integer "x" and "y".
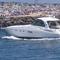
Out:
{"x": 38, "y": 22}
{"x": 54, "y": 24}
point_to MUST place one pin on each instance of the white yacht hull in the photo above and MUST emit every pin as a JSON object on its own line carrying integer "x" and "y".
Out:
{"x": 30, "y": 31}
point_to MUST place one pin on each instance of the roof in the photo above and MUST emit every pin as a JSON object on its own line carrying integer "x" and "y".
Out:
{"x": 48, "y": 19}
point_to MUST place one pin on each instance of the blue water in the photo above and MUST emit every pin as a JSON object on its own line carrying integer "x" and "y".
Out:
{"x": 19, "y": 49}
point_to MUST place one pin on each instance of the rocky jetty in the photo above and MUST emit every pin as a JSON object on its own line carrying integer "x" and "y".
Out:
{"x": 4, "y": 22}
{"x": 18, "y": 20}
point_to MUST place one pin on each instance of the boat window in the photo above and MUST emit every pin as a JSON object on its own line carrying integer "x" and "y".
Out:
{"x": 54, "y": 24}
{"x": 38, "y": 22}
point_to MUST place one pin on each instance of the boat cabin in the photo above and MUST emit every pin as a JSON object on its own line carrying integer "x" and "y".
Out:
{"x": 48, "y": 22}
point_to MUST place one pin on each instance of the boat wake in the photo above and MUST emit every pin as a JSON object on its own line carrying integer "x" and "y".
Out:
{"x": 15, "y": 38}
{"x": 10, "y": 37}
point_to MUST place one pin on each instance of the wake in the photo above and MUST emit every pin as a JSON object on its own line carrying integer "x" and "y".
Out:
{"x": 15, "y": 38}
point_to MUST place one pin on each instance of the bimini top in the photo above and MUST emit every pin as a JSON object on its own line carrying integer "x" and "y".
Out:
{"x": 48, "y": 19}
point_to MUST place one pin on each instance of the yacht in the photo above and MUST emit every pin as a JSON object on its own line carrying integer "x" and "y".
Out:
{"x": 44, "y": 27}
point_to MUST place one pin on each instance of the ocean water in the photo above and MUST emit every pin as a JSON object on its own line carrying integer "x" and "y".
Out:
{"x": 13, "y": 48}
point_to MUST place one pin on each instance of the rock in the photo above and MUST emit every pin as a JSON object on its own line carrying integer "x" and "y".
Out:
{"x": 16, "y": 21}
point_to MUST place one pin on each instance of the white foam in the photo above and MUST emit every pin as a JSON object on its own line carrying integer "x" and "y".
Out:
{"x": 10, "y": 37}
{"x": 15, "y": 38}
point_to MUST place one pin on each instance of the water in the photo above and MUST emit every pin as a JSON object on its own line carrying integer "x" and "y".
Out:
{"x": 12, "y": 48}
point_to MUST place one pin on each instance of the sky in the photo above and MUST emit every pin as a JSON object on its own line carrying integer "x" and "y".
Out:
{"x": 31, "y": 1}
